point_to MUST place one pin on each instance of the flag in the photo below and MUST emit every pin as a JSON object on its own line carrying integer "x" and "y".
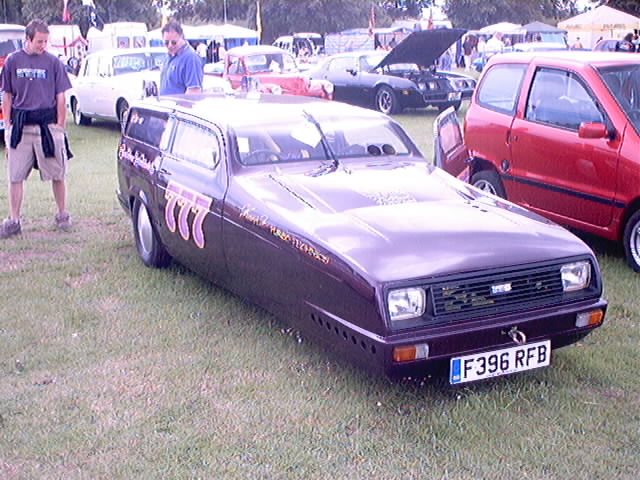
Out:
{"x": 258, "y": 21}
{"x": 372, "y": 20}
{"x": 430, "y": 24}
{"x": 66, "y": 14}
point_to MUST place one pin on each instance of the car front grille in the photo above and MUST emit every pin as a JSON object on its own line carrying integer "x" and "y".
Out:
{"x": 501, "y": 292}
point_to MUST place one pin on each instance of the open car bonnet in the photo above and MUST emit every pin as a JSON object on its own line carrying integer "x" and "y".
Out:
{"x": 423, "y": 47}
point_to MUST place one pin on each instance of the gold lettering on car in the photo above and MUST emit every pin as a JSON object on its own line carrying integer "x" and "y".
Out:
{"x": 186, "y": 201}
{"x": 247, "y": 213}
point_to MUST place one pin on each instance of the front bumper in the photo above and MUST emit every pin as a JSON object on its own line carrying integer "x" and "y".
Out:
{"x": 375, "y": 353}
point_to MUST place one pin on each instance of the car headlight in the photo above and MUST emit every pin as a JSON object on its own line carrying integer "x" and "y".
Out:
{"x": 406, "y": 303}
{"x": 575, "y": 276}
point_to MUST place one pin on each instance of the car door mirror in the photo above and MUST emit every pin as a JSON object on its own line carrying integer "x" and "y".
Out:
{"x": 592, "y": 130}
{"x": 352, "y": 71}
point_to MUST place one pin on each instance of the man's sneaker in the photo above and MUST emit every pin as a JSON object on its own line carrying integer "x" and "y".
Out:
{"x": 9, "y": 228}
{"x": 63, "y": 221}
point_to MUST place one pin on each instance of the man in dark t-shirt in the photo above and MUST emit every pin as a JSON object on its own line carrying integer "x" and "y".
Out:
{"x": 34, "y": 84}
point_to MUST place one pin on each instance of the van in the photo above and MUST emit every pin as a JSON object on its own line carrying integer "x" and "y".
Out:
{"x": 118, "y": 35}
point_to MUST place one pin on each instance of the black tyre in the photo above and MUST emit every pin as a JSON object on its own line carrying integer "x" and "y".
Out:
{"x": 632, "y": 241}
{"x": 387, "y": 101}
{"x": 78, "y": 117}
{"x": 151, "y": 251}
{"x": 123, "y": 109}
{"x": 489, "y": 181}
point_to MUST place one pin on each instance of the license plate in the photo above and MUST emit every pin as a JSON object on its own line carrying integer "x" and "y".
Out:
{"x": 500, "y": 362}
{"x": 454, "y": 96}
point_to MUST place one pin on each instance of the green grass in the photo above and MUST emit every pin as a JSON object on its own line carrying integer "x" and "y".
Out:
{"x": 110, "y": 370}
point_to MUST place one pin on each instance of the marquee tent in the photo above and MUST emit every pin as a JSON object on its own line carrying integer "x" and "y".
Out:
{"x": 602, "y": 21}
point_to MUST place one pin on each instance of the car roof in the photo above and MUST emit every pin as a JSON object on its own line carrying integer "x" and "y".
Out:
{"x": 254, "y": 50}
{"x": 252, "y": 108}
{"x": 577, "y": 58}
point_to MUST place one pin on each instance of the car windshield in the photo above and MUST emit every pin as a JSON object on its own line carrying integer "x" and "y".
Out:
{"x": 136, "y": 62}
{"x": 624, "y": 83}
{"x": 322, "y": 137}
{"x": 271, "y": 62}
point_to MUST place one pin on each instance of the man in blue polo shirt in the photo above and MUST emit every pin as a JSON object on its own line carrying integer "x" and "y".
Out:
{"x": 182, "y": 72}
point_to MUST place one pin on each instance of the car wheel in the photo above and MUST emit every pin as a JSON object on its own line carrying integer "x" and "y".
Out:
{"x": 386, "y": 101}
{"x": 632, "y": 241}
{"x": 123, "y": 108}
{"x": 151, "y": 251}
{"x": 489, "y": 181}
{"x": 78, "y": 117}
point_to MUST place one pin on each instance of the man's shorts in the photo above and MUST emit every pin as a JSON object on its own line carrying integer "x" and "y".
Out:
{"x": 20, "y": 160}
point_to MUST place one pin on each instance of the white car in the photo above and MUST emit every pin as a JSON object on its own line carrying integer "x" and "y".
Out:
{"x": 110, "y": 80}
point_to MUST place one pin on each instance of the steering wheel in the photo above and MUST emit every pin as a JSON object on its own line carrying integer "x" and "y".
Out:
{"x": 261, "y": 156}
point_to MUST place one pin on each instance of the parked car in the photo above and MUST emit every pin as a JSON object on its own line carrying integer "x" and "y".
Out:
{"x": 271, "y": 70}
{"x": 559, "y": 133}
{"x": 11, "y": 39}
{"x": 404, "y": 77}
{"x": 328, "y": 216}
{"x": 108, "y": 82}
{"x": 612, "y": 45}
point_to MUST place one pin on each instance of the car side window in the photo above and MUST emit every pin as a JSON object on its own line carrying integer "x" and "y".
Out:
{"x": 341, "y": 64}
{"x": 104, "y": 67}
{"x": 559, "y": 98}
{"x": 147, "y": 126}
{"x": 500, "y": 87}
{"x": 235, "y": 67}
{"x": 91, "y": 69}
{"x": 188, "y": 134}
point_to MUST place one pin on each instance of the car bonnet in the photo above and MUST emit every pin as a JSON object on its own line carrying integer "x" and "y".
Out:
{"x": 423, "y": 47}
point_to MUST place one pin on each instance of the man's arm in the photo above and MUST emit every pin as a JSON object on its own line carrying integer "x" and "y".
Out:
{"x": 7, "y": 104}
{"x": 61, "y": 108}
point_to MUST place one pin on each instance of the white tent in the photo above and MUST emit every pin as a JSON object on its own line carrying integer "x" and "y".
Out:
{"x": 502, "y": 27}
{"x": 232, "y": 35}
{"x": 602, "y": 21}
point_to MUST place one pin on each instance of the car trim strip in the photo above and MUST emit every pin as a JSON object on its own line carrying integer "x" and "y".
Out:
{"x": 585, "y": 196}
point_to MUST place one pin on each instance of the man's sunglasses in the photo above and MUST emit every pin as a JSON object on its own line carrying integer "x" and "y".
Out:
{"x": 170, "y": 42}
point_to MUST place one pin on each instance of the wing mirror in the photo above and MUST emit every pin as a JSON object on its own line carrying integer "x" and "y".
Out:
{"x": 352, "y": 71}
{"x": 593, "y": 130}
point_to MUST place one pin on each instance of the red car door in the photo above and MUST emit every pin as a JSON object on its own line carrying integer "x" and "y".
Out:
{"x": 553, "y": 169}
{"x": 450, "y": 151}
{"x": 490, "y": 115}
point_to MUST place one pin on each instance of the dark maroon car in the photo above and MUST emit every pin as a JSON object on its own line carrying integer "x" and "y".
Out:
{"x": 328, "y": 216}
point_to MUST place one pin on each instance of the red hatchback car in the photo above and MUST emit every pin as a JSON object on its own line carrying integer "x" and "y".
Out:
{"x": 559, "y": 133}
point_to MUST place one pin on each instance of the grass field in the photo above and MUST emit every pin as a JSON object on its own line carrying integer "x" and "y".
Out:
{"x": 110, "y": 370}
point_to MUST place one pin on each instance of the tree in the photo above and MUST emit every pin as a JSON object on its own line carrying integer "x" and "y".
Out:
{"x": 109, "y": 10}
{"x": 11, "y": 11}
{"x": 473, "y": 14}
{"x": 629, "y": 6}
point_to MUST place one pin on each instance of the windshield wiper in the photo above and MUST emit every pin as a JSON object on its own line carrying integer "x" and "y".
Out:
{"x": 329, "y": 153}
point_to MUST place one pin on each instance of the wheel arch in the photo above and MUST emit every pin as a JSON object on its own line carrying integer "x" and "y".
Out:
{"x": 630, "y": 209}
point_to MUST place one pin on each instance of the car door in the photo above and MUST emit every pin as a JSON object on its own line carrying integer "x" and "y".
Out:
{"x": 343, "y": 73}
{"x": 450, "y": 151}
{"x": 104, "y": 89}
{"x": 490, "y": 116}
{"x": 84, "y": 85}
{"x": 556, "y": 171}
{"x": 192, "y": 181}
